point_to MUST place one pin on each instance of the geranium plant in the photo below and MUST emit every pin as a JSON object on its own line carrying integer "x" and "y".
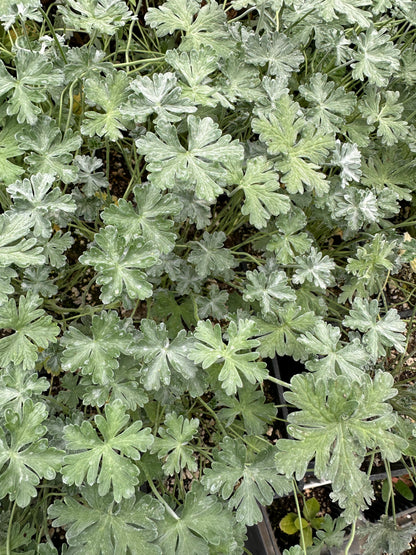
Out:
{"x": 187, "y": 190}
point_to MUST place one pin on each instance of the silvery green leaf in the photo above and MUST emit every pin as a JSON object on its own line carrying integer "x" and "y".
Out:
{"x": 240, "y": 81}
{"x": 55, "y": 246}
{"x": 14, "y": 247}
{"x": 264, "y": 196}
{"x": 6, "y": 288}
{"x": 37, "y": 281}
{"x": 356, "y": 208}
{"x": 384, "y": 109}
{"x": 34, "y": 74}
{"x": 148, "y": 218}
{"x": 196, "y": 210}
{"x": 387, "y": 168}
{"x": 314, "y": 268}
{"x": 119, "y": 264}
{"x": 333, "y": 40}
{"x": 379, "y": 331}
{"x": 11, "y": 11}
{"x": 269, "y": 288}
{"x": 9, "y": 148}
{"x": 275, "y": 49}
{"x": 209, "y": 257}
{"x": 110, "y": 94}
{"x": 289, "y": 240}
{"x": 84, "y": 62}
{"x": 201, "y": 164}
{"x": 213, "y": 304}
{"x": 102, "y": 17}
{"x": 328, "y": 105}
{"x": 376, "y": 57}
{"x": 332, "y": 357}
{"x": 347, "y": 157}
{"x": 17, "y": 385}
{"x": 350, "y": 9}
{"x": 92, "y": 180}
{"x": 201, "y": 26}
{"x": 274, "y": 88}
{"x": 39, "y": 202}
{"x": 159, "y": 95}
{"x": 385, "y": 536}
{"x": 50, "y": 153}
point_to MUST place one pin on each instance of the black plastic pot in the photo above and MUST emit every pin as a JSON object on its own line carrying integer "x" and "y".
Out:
{"x": 261, "y": 539}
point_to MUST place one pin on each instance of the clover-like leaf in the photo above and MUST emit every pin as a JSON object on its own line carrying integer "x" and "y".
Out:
{"x": 39, "y": 202}
{"x": 148, "y": 219}
{"x": 244, "y": 479}
{"x": 118, "y": 264}
{"x": 105, "y": 459}
{"x": 25, "y": 457}
{"x": 96, "y": 525}
{"x": 31, "y": 327}
{"x": 50, "y": 153}
{"x": 201, "y": 164}
{"x": 173, "y": 444}
{"x": 262, "y": 191}
{"x": 379, "y": 332}
{"x": 299, "y": 146}
{"x": 163, "y": 358}
{"x": 202, "y": 525}
{"x": 210, "y": 349}
{"x": 337, "y": 421}
{"x": 96, "y": 355}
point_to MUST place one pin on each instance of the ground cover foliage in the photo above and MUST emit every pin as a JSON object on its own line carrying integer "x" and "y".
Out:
{"x": 269, "y": 148}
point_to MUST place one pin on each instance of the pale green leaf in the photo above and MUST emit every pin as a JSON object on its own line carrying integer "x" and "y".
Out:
{"x": 210, "y": 257}
{"x": 103, "y": 17}
{"x": 269, "y": 288}
{"x": 14, "y": 247}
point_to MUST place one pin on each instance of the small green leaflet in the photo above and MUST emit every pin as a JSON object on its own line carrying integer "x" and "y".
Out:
{"x": 97, "y": 355}
{"x": 102, "y": 17}
{"x": 201, "y": 526}
{"x": 159, "y": 95}
{"x": 14, "y": 247}
{"x": 210, "y": 349}
{"x": 201, "y": 164}
{"x": 264, "y": 196}
{"x": 379, "y": 332}
{"x": 333, "y": 358}
{"x": 299, "y": 146}
{"x": 50, "y": 153}
{"x": 25, "y": 457}
{"x": 162, "y": 358}
{"x": 244, "y": 479}
{"x": 109, "y": 94}
{"x": 32, "y": 329}
{"x": 210, "y": 257}
{"x": 40, "y": 202}
{"x": 106, "y": 460}
{"x": 337, "y": 421}
{"x": 118, "y": 264}
{"x": 172, "y": 445}
{"x": 98, "y": 526}
{"x": 149, "y": 219}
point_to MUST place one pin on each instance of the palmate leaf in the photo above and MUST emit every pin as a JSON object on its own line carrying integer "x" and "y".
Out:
{"x": 262, "y": 190}
{"x": 199, "y": 527}
{"x": 32, "y": 329}
{"x": 337, "y": 421}
{"x": 269, "y": 288}
{"x": 17, "y": 385}
{"x": 106, "y": 460}
{"x": 9, "y": 148}
{"x": 50, "y": 153}
{"x": 379, "y": 332}
{"x": 12, "y": 10}
{"x": 299, "y": 146}
{"x": 118, "y": 264}
{"x": 347, "y": 157}
{"x": 279, "y": 331}
{"x": 333, "y": 358}
{"x": 328, "y": 105}
{"x": 97, "y": 355}
{"x": 240, "y": 82}
{"x": 200, "y": 164}
{"x": 289, "y": 240}
{"x": 210, "y": 257}
{"x": 385, "y": 536}
{"x": 356, "y": 207}
{"x": 98, "y": 526}
{"x": 25, "y": 457}
{"x": 384, "y": 109}
{"x": 109, "y": 93}
{"x": 210, "y": 349}
{"x": 159, "y": 95}
{"x": 34, "y": 74}
{"x": 14, "y": 247}
{"x": 376, "y": 57}
{"x": 314, "y": 268}
{"x": 275, "y": 49}
{"x": 40, "y": 202}
{"x": 148, "y": 219}
{"x": 201, "y": 26}
{"x": 350, "y": 9}
{"x": 54, "y": 248}
{"x": 214, "y": 303}
{"x": 92, "y": 180}
{"x": 172, "y": 445}
{"x": 103, "y": 17}
{"x": 163, "y": 359}
{"x": 244, "y": 479}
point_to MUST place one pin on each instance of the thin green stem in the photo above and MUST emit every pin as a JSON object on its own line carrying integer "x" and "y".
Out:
{"x": 9, "y": 530}
{"x": 352, "y": 536}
